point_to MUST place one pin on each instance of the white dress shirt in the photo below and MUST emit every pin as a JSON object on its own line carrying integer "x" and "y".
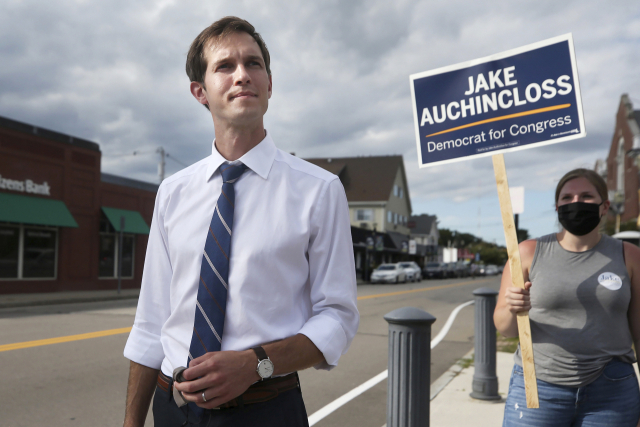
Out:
{"x": 291, "y": 264}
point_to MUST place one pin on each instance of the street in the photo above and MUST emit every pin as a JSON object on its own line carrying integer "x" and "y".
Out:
{"x": 83, "y": 382}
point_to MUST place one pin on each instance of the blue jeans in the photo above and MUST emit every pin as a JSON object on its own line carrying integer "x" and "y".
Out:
{"x": 611, "y": 400}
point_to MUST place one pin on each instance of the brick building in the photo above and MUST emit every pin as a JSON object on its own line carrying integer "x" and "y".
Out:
{"x": 60, "y": 216}
{"x": 622, "y": 161}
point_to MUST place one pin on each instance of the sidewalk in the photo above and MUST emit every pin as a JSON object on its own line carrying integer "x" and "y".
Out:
{"x": 49, "y": 298}
{"x": 452, "y": 405}
{"x": 70, "y": 297}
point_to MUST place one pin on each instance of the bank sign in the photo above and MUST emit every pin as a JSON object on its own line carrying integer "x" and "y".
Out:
{"x": 510, "y": 101}
{"x": 25, "y": 186}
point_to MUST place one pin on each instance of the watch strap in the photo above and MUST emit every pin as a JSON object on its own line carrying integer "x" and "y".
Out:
{"x": 260, "y": 353}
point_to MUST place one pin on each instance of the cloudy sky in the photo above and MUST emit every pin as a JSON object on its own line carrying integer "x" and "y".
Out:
{"x": 112, "y": 71}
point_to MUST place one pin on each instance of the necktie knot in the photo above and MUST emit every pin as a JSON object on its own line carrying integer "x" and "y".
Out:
{"x": 231, "y": 173}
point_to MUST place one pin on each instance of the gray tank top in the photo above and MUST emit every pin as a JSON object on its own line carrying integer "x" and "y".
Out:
{"x": 579, "y": 304}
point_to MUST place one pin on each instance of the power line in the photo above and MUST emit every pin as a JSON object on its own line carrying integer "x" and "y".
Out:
{"x": 169, "y": 156}
{"x": 161, "y": 164}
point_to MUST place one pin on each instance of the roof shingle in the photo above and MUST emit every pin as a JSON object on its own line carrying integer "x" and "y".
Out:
{"x": 365, "y": 179}
{"x": 423, "y": 223}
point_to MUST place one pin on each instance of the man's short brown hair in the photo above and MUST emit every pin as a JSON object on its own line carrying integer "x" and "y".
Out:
{"x": 196, "y": 60}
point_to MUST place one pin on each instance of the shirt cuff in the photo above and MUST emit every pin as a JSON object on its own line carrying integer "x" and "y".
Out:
{"x": 144, "y": 348}
{"x": 328, "y": 335}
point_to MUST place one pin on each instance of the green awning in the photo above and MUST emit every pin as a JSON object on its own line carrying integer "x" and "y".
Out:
{"x": 133, "y": 221}
{"x": 35, "y": 210}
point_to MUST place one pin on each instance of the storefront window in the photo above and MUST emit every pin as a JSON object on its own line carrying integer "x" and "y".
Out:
{"x": 39, "y": 253}
{"x": 109, "y": 255}
{"x": 28, "y": 252}
{"x": 9, "y": 245}
{"x": 127, "y": 256}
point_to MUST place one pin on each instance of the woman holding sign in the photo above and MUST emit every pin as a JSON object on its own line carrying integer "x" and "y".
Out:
{"x": 582, "y": 292}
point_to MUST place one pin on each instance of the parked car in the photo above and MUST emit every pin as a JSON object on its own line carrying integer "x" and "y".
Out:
{"x": 449, "y": 270}
{"x": 412, "y": 271}
{"x": 474, "y": 269}
{"x": 432, "y": 270}
{"x": 463, "y": 269}
{"x": 488, "y": 270}
{"x": 492, "y": 270}
{"x": 389, "y": 273}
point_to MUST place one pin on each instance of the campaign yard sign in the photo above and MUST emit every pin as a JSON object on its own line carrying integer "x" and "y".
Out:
{"x": 518, "y": 99}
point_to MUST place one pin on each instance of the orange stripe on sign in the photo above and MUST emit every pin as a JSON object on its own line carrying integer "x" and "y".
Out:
{"x": 508, "y": 116}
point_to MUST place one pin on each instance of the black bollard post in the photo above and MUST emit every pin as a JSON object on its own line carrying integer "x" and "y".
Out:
{"x": 485, "y": 381}
{"x": 409, "y": 382}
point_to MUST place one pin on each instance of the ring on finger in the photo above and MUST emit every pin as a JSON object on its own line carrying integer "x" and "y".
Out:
{"x": 204, "y": 399}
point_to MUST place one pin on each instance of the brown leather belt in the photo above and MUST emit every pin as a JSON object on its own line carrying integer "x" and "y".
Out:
{"x": 261, "y": 391}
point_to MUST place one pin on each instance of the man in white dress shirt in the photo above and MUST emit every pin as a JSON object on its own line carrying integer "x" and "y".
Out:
{"x": 291, "y": 285}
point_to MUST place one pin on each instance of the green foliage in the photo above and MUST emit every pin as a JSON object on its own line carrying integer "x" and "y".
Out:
{"x": 490, "y": 253}
{"x": 465, "y": 363}
{"x": 506, "y": 345}
{"x": 456, "y": 239}
{"x": 523, "y": 234}
{"x": 445, "y": 237}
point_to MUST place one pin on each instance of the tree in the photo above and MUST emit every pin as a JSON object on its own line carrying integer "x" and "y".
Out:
{"x": 456, "y": 239}
{"x": 490, "y": 253}
{"x": 523, "y": 234}
{"x": 445, "y": 237}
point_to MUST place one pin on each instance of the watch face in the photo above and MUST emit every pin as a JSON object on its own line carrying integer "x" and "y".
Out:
{"x": 265, "y": 368}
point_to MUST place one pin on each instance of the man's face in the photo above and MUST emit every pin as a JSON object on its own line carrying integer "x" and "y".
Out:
{"x": 237, "y": 87}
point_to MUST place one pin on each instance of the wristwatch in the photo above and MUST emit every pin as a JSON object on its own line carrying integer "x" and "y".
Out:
{"x": 265, "y": 365}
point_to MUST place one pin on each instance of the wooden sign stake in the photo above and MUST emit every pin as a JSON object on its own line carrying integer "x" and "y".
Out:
{"x": 524, "y": 327}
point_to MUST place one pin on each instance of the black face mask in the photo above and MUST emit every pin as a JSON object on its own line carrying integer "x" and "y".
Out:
{"x": 579, "y": 218}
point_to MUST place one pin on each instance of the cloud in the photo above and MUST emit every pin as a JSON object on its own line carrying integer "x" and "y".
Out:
{"x": 113, "y": 72}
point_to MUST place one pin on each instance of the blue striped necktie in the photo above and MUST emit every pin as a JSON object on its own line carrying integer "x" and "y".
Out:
{"x": 214, "y": 272}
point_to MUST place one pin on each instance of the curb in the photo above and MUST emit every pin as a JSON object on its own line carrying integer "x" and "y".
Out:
{"x": 444, "y": 379}
{"x": 32, "y": 303}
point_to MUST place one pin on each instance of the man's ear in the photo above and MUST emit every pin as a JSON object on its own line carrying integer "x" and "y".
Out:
{"x": 198, "y": 92}
{"x": 270, "y": 86}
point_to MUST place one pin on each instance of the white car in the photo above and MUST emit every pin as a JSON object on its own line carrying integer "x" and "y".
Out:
{"x": 388, "y": 273}
{"x": 488, "y": 270}
{"x": 412, "y": 270}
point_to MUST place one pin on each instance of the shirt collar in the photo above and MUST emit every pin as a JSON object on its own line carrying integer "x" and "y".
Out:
{"x": 259, "y": 159}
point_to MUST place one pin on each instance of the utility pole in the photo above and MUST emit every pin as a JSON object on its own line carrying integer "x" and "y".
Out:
{"x": 160, "y": 151}
{"x": 161, "y": 164}
{"x": 120, "y": 245}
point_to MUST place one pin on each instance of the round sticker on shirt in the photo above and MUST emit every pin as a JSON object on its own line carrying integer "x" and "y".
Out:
{"x": 610, "y": 281}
